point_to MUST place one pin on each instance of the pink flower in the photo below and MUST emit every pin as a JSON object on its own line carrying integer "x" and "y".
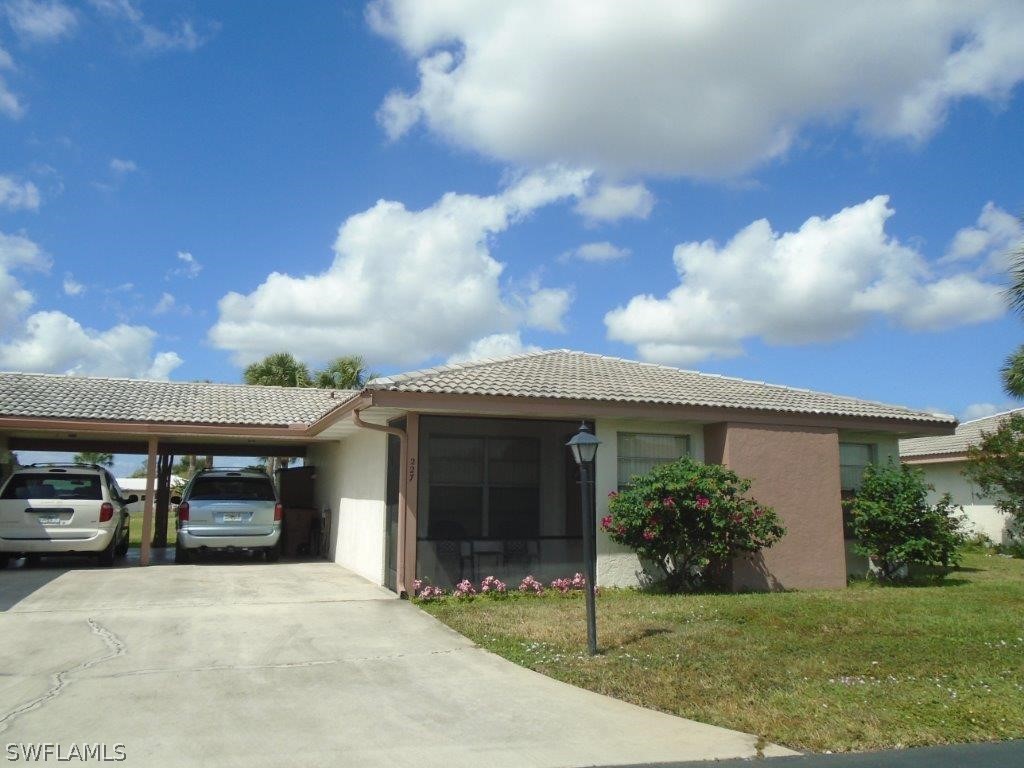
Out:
{"x": 493, "y": 586}
{"x": 530, "y": 584}
{"x": 578, "y": 581}
{"x": 648, "y": 535}
{"x": 703, "y": 502}
{"x": 464, "y": 588}
{"x": 606, "y": 522}
{"x": 668, "y": 503}
{"x": 620, "y": 529}
{"x": 431, "y": 593}
{"x": 562, "y": 585}
{"x": 758, "y": 512}
{"x": 417, "y": 585}
{"x": 613, "y": 495}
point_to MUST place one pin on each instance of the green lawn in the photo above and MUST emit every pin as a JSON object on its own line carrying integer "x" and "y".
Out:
{"x": 861, "y": 668}
{"x": 135, "y": 531}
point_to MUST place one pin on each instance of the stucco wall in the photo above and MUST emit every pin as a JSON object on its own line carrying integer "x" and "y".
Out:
{"x": 795, "y": 470}
{"x": 981, "y": 512}
{"x": 618, "y": 566}
{"x": 351, "y": 482}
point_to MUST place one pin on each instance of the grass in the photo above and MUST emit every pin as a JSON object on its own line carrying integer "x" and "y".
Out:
{"x": 135, "y": 531}
{"x": 862, "y": 668}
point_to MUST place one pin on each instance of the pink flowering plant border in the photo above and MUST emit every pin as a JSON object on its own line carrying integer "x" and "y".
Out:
{"x": 686, "y": 515}
{"x": 493, "y": 587}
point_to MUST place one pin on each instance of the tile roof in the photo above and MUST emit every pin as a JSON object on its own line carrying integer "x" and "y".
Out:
{"x": 582, "y": 376}
{"x": 39, "y": 395}
{"x": 966, "y": 435}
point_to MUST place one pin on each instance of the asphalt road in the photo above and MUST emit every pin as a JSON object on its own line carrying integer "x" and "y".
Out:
{"x": 1006, "y": 754}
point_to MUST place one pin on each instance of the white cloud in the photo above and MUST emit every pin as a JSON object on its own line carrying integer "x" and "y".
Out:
{"x": 611, "y": 202}
{"x": 41, "y": 20}
{"x": 51, "y": 341}
{"x": 16, "y": 194}
{"x": 117, "y": 165}
{"x": 183, "y": 36}
{"x": 190, "y": 266}
{"x": 10, "y": 104}
{"x": 823, "y": 282}
{"x": 71, "y": 286}
{"x": 994, "y": 236}
{"x": 164, "y": 305}
{"x": 546, "y": 308}
{"x": 55, "y": 343}
{"x": 405, "y": 285}
{"x": 597, "y": 252}
{"x": 6, "y": 62}
{"x": 17, "y": 252}
{"x": 705, "y": 89}
{"x": 493, "y": 346}
{"x": 981, "y": 410}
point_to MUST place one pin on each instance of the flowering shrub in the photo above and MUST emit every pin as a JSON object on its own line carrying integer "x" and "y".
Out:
{"x": 567, "y": 585}
{"x": 464, "y": 588}
{"x": 684, "y": 515}
{"x": 493, "y": 586}
{"x": 531, "y": 585}
{"x": 430, "y": 593}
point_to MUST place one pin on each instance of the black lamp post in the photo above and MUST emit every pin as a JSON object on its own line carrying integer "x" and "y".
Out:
{"x": 584, "y": 449}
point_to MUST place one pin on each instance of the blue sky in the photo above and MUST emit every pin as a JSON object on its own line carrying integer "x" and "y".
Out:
{"x": 804, "y": 193}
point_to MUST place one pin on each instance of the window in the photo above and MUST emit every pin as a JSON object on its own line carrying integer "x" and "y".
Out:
{"x": 484, "y": 487}
{"x": 640, "y": 453}
{"x": 232, "y": 489}
{"x": 853, "y": 460}
{"x": 54, "y": 486}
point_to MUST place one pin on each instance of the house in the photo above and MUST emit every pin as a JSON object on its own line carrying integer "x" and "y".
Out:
{"x": 137, "y": 486}
{"x": 462, "y": 471}
{"x": 943, "y": 459}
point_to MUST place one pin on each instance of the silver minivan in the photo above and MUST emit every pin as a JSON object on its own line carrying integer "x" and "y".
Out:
{"x": 62, "y": 509}
{"x": 226, "y": 509}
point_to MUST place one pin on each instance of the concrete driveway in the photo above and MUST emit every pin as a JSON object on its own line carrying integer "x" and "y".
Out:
{"x": 248, "y": 664}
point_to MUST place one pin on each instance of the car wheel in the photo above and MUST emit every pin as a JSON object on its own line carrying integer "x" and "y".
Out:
{"x": 273, "y": 554}
{"x": 181, "y": 555}
{"x": 122, "y": 547}
{"x": 106, "y": 557}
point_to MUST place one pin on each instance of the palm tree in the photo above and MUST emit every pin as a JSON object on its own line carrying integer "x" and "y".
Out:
{"x": 1012, "y": 371}
{"x": 92, "y": 457}
{"x": 347, "y": 372}
{"x": 280, "y": 369}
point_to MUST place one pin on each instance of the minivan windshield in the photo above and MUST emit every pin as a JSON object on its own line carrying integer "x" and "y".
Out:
{"x": 44, "y": 485}
{"x": 232, "y": 489}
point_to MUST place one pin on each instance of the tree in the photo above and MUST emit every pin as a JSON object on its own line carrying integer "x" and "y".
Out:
{"x": 348, "y": 372}
{"x": 1013, "y": 368}
{"x": 686, "y": 515}
{"x": 996, "y": 465}
{"x": 894, "y": 525}
{"x": 92, "y": 457}
{"x": 280, "y": 369}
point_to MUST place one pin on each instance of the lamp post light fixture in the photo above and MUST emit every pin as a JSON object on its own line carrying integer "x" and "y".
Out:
{"x": 584, "y": 449}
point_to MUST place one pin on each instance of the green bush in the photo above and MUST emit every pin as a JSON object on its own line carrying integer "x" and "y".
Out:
{"x": 685, "y": 515}
{"x": 896, "y": 527}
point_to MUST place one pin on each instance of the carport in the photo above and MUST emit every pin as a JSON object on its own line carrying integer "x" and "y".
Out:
{"x": 41, "y": 412}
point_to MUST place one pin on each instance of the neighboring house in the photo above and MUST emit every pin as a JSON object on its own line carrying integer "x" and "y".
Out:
{"x": 943, "y": 459}
{"x": 137, "y": 485}
{"x": 462, "y": 471}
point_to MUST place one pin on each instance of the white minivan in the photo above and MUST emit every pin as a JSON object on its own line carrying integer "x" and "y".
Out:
{"x": 62, "y": 509}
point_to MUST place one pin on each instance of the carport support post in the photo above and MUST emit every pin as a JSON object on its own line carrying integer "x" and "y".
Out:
{"x": 147, "y": 510}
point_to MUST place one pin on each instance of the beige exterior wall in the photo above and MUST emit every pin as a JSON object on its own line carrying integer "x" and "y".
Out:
{"x": 981, "y": 512}
{"x": 351, "y": 482}
{"x": 794, "y": 470}
{"x": 618, "y": 566}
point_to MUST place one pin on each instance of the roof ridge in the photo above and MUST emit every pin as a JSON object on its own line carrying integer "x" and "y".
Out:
{"x": 991, "y": 416}
{"x": 233, "y": 385}
{"x": 446, "y": 367}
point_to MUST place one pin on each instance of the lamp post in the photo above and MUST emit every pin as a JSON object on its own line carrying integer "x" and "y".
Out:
{"x": 584, "y": 449}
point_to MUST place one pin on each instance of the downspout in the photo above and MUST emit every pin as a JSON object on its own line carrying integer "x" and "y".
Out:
{"x": 403, "y": 460}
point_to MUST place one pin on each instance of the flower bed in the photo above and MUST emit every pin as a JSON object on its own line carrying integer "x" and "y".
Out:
{"x": 493, "y": 587}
